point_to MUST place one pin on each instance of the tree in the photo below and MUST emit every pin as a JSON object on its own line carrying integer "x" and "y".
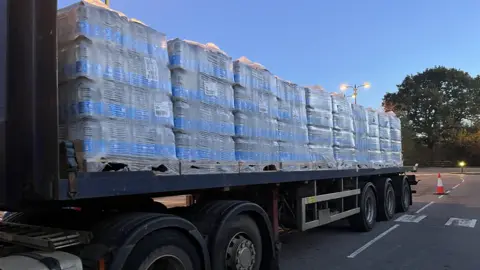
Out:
{"x": 435, "y": 103}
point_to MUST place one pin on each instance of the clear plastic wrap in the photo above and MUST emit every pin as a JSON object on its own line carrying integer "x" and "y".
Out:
{"x": 345, "y": 157}
{"x": 114, "y": 88}
{"x": 320, "y": 124}
{"x": 343, "y": 132}
{"x": 202, "y": 78}
{"x": 203, "y": 146}
{"x": 255, "y": 127}
{"x": 395, "y": 139}
{"x": 292, "y": 126}
{"x": 360, "y": 124}
{"x": 202, "y": 58}
{"x": 320, "y": 136}
{"x": 289, "y": 132}
{"x": 375, "y": 157}
{"x": 383, "y": 119}
{"x": 198, "y": 87}
{"x": 205, "y": 152}
{"x": 386, "y": 151}
{"x": 322, "y": 157}
{"x": 384, "y": 132}
{"x": 199, "y": 117}
{"x": 319, "y": 118}
{"x": 256, "y": 110}
{"x": 318, "y": 99}
{"x": 254, "y": 151}
{"x": 373, "y": 129}
{"x": 255, "y": 102}
{"x": 291, "y": 103}
{"x": 343, "y": 139}
{"x": 254, "y": 76}
{"x": 294, "y": 152}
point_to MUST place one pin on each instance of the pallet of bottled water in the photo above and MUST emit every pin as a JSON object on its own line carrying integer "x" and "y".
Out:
{"x": 255, "y": 113}
{"x": 115, "y": 90}
{"x": 203, "y": 103}
{"x": 344, "y": 146}
{"x": 320, "y": 128}
{"x": 292, "y": 127}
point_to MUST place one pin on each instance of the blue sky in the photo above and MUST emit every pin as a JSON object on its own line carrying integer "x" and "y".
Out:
{"x": 327, "y": 42}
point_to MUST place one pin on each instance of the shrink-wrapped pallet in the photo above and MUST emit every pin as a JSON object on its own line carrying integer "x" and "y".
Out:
{"x": 202, "y": 79}
{"x": 292, "y": 126}
{"x": 256, "y": 112}
{"x": 343, "y": 132}
{"x": 114, "y": 89}
{"x": 385, "y": 140}
{"x": 395, "y": 140}
{"x": 320, "y": 127}
{"x": 373, "y": 144}
{"x": 361, "y": 131}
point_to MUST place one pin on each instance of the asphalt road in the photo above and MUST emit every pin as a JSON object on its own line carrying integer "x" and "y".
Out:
{"x": 438, "y": 233}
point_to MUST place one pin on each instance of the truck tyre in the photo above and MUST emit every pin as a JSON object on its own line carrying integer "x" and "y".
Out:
{"x": 386, "y": 199}
{"x": 365, "y": 220}
{"x": 404, "y": 196}
{"x": 164, "y": 249}
{"x": 237, "y": 245}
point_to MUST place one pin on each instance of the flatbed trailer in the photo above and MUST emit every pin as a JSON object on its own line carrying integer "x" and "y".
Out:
{"x": 108, "y": 220}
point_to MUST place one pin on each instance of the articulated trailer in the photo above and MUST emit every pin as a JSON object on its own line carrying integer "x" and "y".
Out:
{"x": 108, "y": 220}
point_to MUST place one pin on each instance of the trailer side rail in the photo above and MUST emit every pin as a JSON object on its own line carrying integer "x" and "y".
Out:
{"x": 107, "y": 184}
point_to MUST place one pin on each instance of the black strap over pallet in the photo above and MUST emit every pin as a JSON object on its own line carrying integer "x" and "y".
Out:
{"x": 49, "y": 262}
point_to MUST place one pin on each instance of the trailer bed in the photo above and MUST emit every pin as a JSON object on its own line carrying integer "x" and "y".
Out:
{"x": 107, "y": 184}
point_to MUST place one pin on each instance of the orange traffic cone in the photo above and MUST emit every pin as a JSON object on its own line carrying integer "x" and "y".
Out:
{"x": 440, "y": 188}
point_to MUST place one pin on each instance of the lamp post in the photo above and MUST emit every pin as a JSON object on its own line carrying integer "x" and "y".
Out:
{"x": 355, "y": 88}
{"x": 462, "y": 165}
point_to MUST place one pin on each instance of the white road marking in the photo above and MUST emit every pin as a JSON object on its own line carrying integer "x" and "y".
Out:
{"x": 358, "y": 251}
{"x": 463, "y": 180}
{"x": 448, "y": 191}
{"x": 424, "y": 207}
{"x": 410, "y": 218}
{"x": 461, "y": 222}
{"x": 454, "y": 187}
{"x": 441, "y": 196}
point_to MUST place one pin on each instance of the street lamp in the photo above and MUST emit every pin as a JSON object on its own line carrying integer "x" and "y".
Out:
{"x": 344, "y": 87}
{"x": 462, "y": 165}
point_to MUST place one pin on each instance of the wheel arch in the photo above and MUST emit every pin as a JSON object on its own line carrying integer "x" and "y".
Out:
{"x": 370, "y": 182}
{"x": 159, "y": 222}
{"x": 211, "y": 216}
{"x": 263, "y": 223}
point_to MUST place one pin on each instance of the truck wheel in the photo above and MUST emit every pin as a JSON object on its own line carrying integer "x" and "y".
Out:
{"x": 386, "y": 199}
{"x": 404, "y": 197}
{"x": 365, "y": 220}
{"x": 237, "y": 245}
{"x": 165, "y": 249}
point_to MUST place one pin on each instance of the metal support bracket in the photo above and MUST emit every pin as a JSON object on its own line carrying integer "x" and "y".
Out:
{"x": 70, "y": 165}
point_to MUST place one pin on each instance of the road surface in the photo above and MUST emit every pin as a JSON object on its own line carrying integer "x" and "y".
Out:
{"x": 438, "y": 233}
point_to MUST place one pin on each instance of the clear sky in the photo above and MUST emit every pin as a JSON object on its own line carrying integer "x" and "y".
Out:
{"x": 327, "y": 42}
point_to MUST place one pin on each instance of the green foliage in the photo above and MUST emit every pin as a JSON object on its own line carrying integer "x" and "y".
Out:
{"x": 435, "y": 104}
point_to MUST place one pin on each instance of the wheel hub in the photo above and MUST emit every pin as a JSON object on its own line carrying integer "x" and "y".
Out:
{"x": 390, "y": 201}
{"x": 240, "y": 253}
{"x": 406, "y": 196}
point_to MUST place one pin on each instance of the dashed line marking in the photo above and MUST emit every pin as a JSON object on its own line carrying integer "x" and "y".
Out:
{"x": 463, "y": 180}
{"x": 424, "y": 207}
{"x": 441, "y": 196}
{"x": 410, "y": 218}
{"x": 461, "y": 222}
{"x": 371, "y": 242}
{"x": 454, "y": 187}
{"x": 448, "y": 191}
